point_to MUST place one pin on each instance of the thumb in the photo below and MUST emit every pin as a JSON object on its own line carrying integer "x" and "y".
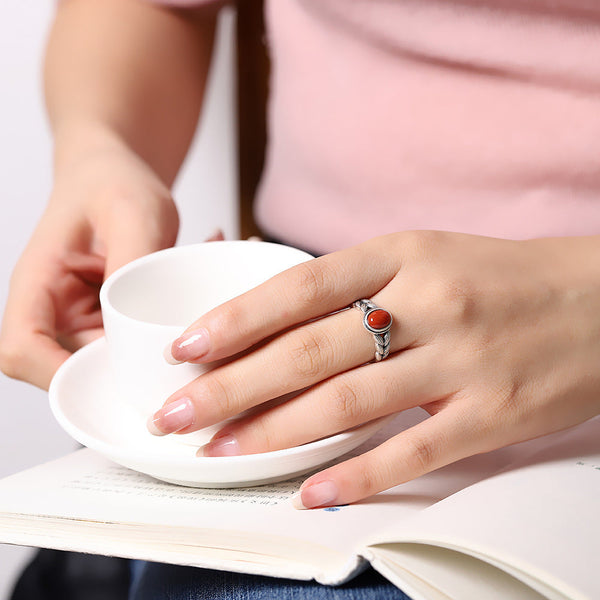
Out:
{"x": 136, "y": 234}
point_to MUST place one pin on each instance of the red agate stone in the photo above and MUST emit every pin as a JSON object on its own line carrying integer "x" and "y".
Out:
{"x": 379, "y": 319}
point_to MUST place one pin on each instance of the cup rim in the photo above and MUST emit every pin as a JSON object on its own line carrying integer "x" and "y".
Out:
{"x": 106, "y": 304}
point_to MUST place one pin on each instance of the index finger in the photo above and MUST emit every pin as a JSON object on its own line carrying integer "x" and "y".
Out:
{"x": 299, "y": 294}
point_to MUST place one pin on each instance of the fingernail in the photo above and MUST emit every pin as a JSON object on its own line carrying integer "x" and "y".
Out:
{"x": 191, "y": 345}
{"x": 171, "y": 418}
{"x": 168, "y": 356}
{"x": 216, "y": 236}
{"x": 323, "y": 493}
{"x": 222, "y": 446}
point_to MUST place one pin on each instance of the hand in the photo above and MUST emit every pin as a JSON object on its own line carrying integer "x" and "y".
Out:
{"x": 499, "y": 341}
{"x": 106, "y": 209}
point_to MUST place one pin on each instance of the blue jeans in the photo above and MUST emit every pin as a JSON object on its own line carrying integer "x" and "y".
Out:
{"x": 155, "y": 581}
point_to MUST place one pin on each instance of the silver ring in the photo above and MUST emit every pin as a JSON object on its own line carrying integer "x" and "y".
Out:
{"x": 378, "y": 322}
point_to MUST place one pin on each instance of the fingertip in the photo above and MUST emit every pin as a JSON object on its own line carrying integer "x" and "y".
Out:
{"x": 296, "y": 501}
{"x": 224, "y": 445}
{"x": 168, "y": 355}
{"x": 192, "y": 345}
{"x": 216, "y": 236}
{"x": 173, "y": 417}
{"x": 315, "y": 495}
{"x": 152, "y": 428}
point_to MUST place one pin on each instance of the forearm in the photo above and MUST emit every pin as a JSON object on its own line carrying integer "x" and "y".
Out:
{"x": 127, "y": 71}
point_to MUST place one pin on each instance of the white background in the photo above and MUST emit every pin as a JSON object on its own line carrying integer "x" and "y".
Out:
{"x": 205, "y": 192}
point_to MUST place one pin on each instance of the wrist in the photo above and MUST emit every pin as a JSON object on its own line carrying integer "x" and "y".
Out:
{"x": 76, "y": 140}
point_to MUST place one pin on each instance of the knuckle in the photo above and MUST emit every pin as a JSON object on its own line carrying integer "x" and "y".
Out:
{"x": 370, "y": 478}
{"x": 311, "y": 283}
{"x": 231, "y": 318}
{"x": 509, "y": 400}
{"x": 369, "y": 473}
{"x": 422, "y": 244}
{"x": 455, "y": 299}
{"x": 459, "y": 299}
{"x": 365, "y": 482}
{"x": 214, "y": 394}
{"x": 261, "y": 432}
{"x": 309, "y": 356}
{"x": 346, "y": 406}
{"x": 423, "y": 452}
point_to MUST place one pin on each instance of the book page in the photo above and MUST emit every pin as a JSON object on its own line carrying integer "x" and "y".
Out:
{"x": 433, "y": 573}
{"x": 537, "y": 520}
{"x": 85, "y": 501}
{"x": 68, "y": 502}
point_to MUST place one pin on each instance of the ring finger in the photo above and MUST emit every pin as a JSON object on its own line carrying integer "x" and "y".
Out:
{"x": 368, "y": 392}
{"x": 291, "y": 362}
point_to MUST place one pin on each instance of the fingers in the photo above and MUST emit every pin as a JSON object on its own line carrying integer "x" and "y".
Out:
{"x": 103, "y": 213}
{"x": 28, "y": 350}
{"x": 134, "y": 226}
{"x": 36, "y": 366}
{"x": 34, "y": 359}
{"x": 439, "y": 440}
{"x": 407, "y": 379}
{"x": 52, "y": 310}
{"x": 88, "y": 267}
{"x": 216, "y": 236}
{"x": 302, "y": 293}
{"x": 133, "y": 238}
{"x": 293, "y": 361}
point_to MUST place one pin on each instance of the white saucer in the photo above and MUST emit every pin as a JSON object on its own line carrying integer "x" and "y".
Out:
{"x": 85, "y": 405}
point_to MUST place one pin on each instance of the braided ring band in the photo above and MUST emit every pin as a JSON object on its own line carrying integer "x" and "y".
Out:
{"x": 378, "y": 322}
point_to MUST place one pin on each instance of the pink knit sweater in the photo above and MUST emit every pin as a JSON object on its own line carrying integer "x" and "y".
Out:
{"x": 478, "y": 116}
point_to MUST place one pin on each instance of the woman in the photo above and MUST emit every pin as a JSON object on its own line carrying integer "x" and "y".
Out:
{"x": 442, "y": 156}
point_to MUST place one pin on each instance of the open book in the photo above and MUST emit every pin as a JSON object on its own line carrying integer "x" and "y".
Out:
{"x": 519, "y": 523}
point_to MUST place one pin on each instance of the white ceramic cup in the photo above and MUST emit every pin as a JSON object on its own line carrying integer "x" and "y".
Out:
{"x": 149, "y": 302}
